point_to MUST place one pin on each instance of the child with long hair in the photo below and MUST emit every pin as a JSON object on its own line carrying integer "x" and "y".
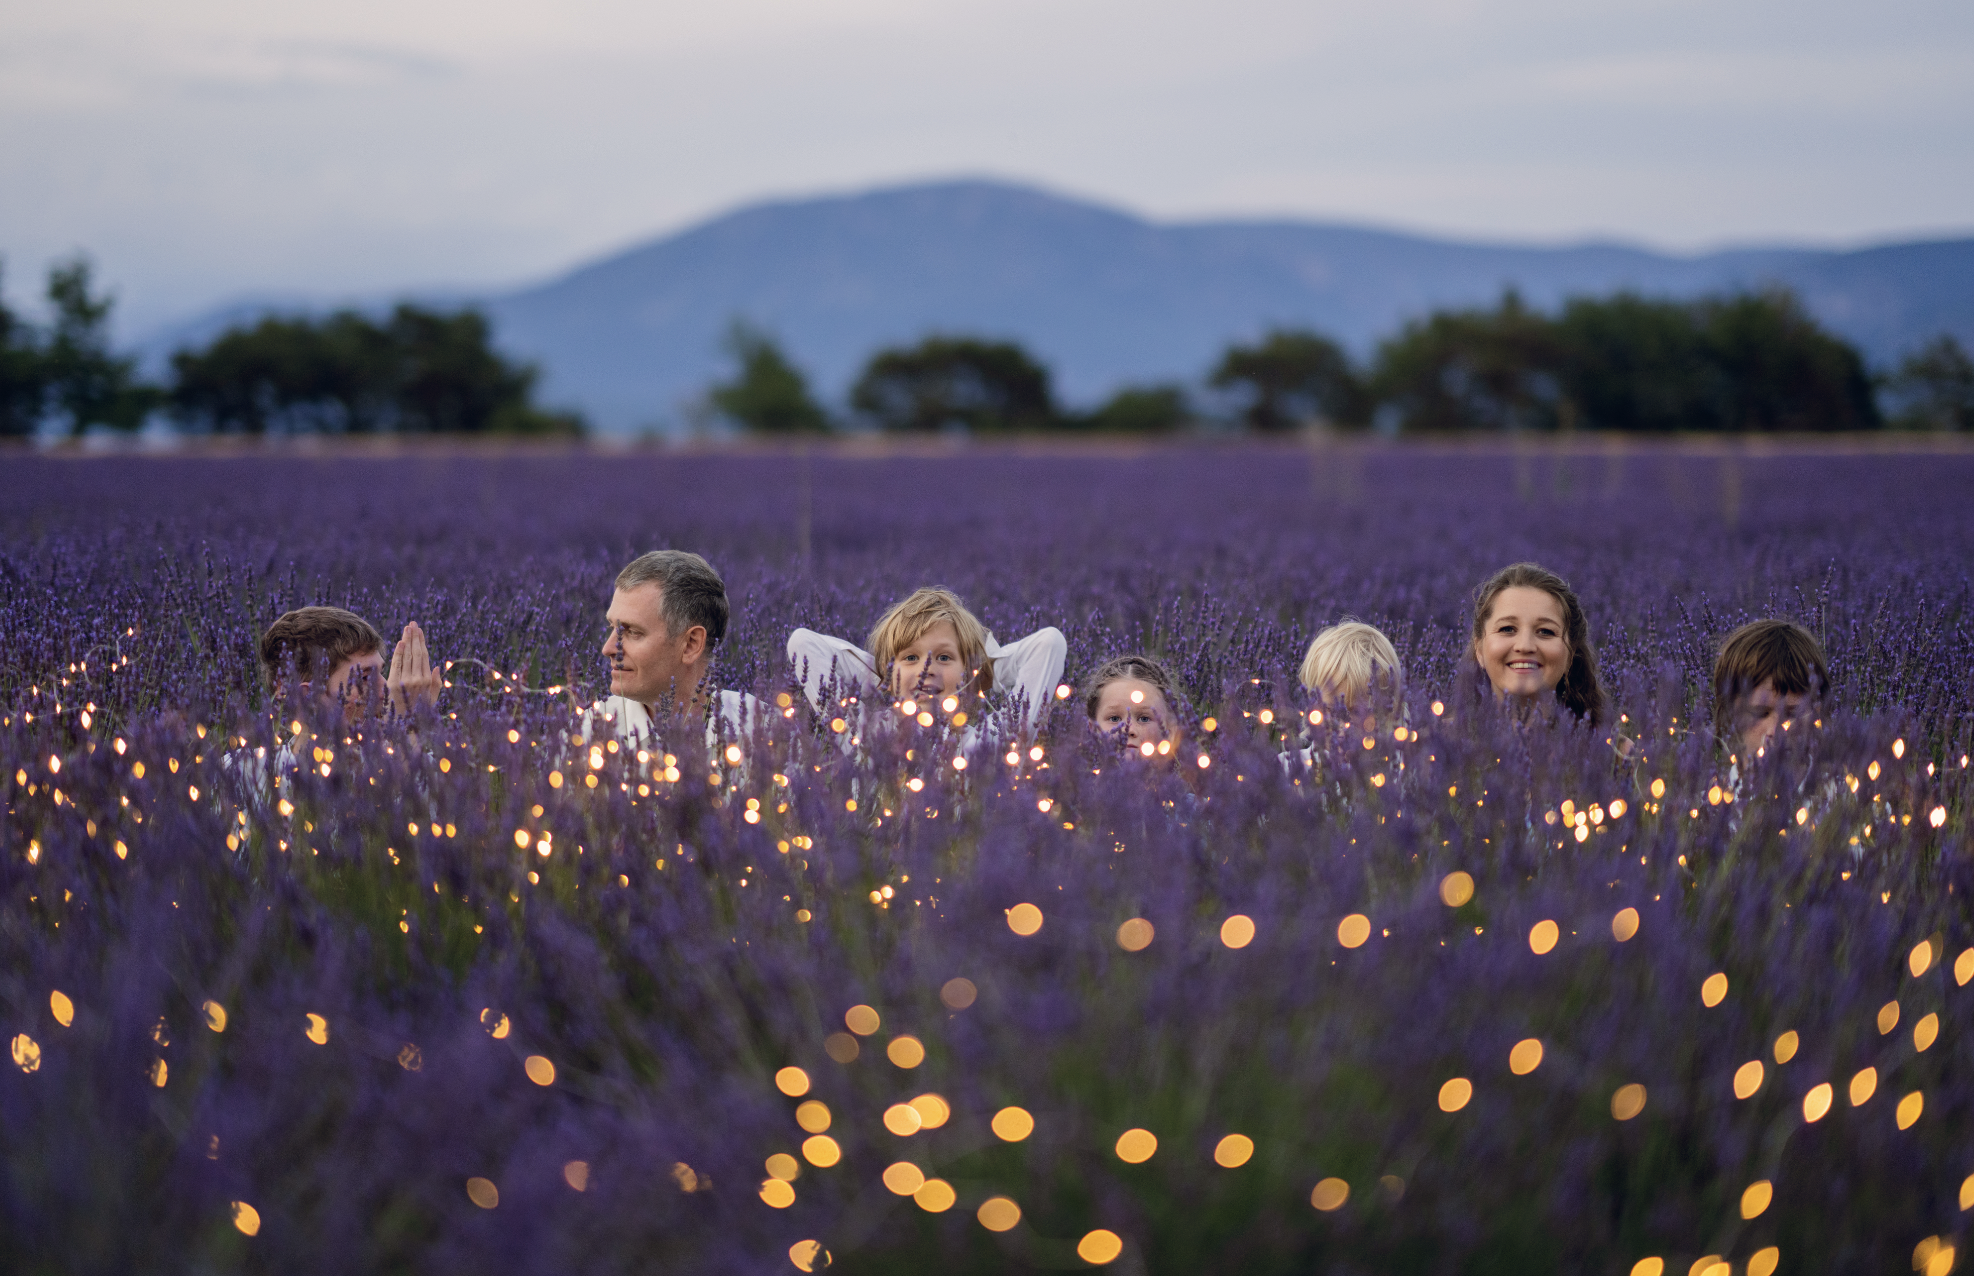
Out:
{"x": 1532, "y": 643}
{"x": 931, "y": 653}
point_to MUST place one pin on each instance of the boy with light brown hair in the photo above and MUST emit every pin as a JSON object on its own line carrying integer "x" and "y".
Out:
{"x": 338, "y": 657}
{"x": 1770, "y": 676}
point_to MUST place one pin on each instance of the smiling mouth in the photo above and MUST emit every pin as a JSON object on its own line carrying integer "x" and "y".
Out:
{"x": 1524, "y": 666}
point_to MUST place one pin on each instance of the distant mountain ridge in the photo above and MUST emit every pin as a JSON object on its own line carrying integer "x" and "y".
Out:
{"x": 1102, "y": 296}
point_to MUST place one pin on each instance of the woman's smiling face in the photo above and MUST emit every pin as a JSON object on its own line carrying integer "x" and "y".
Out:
{"x": 1524, "y": 649}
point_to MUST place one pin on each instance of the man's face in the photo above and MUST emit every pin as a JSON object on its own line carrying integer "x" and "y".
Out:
{"x": 646, "y": 663}
{"x": 1763, "y": 712}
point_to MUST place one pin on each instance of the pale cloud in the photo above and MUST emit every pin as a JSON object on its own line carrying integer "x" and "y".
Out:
{"x": 215, "y": 147}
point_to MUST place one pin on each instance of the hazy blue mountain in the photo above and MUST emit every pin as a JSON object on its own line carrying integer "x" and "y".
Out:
{"x": 1105, "y": 297}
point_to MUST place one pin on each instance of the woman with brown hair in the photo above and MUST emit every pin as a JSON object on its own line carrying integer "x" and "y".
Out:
{"x": 1532, "y": 642}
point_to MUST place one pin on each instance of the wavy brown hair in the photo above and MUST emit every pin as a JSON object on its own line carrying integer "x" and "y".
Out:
{"x": 1580, "y": 691}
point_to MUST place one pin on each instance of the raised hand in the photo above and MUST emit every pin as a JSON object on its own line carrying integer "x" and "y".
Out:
{"x": 413, "y": 682}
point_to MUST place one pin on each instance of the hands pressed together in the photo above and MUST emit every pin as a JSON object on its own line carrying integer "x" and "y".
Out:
{"x": 415, "y": 678}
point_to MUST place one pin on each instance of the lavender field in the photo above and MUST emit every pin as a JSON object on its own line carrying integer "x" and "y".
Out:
{"x": 1466, "y": 996}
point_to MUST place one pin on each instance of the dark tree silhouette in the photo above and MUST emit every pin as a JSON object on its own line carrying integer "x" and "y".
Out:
{"x": 955, "y": 382}
{"x": 1292, "y": 378}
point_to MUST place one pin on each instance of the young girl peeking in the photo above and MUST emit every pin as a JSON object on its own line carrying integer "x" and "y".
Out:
{"x": 933, "y": 659}
{"x": 1129, "y": 701}
{"x": 1532, "y": 643}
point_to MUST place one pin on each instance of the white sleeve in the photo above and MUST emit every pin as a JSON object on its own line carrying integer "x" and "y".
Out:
{"x": 1028, "y": 670}
{"x": 820, "y": 661}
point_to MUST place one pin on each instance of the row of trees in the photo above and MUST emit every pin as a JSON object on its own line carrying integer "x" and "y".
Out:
{"x": 415, "y": 371}
{"x": 1753, "y": 362}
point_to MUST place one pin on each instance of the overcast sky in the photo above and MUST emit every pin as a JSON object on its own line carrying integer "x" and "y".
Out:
{"x": 205, "y": 149}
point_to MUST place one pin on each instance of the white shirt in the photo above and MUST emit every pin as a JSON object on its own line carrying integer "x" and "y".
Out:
{"x": 1026, "y": 671}
{"x": 734, "y": 716}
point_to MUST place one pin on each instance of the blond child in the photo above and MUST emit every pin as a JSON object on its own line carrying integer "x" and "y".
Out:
{"x": 1355, "y": 670}
{"x": 930, "y": 657}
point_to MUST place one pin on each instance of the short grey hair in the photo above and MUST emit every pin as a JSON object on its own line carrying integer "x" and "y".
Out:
{"x": 690, "y": 591}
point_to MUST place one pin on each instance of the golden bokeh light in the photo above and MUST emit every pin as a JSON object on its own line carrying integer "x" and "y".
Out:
{"x": 482, "y": 1193}
{"x": 1756, "y": 1199}
{"x": 998, "y": 1214}
{"x": 902, "y": 1178}
{"x": 842, "y": 1047}
{"x": 1710, "y": 1265}
{"x": 1627, "y": 1101}
{"x": 1353, "y": 930}
{"x": 1748, "y": 1078}
{"x": 792, "y": 1082}
{"x": 1233, "y": 1151}
{"x": 1135, "y": 936}
{"x": 1526, "y": 1057}
{"x": 932, "y": 1110}
{"x": 1967, "y": 1193}
{"x": 1542, "y": 937}
{"x": 902, "y": 1119}
{"x": 936, "y": 1196}
{"x": 1863, "y": 1086}
{"x": 1816, "y": 1104}
{"x": 783, "y": 1166}
{"x": 246, "y": 1219}
{"x": 777, "y": 1193}
{"x": 821, "y": 1151}
{"x": 61, "y": 1007}
{"x": 1330, "y": 1194}
{"x": 317, "y": 1030}
{"x": 576, "y": 1173}
{"x": 1925, "y": 1033}
{"x": 861, "y": 1020}
{"x": 540, "y": 1070}
{"x": 1024, "y": 919}
{"x": 1920, "y": 960}
{"x": 1649, "y": 1266}
{"x": 906, "y": 1051}
{"x": 1786, "y": 1046}
{"x": 1963, "y": 967}
{"x": 1455, "y": 889}
{"x": 1100, "y": 1247}
{"x": 1455, "y": 1094}
{"x": 1911, "y": 1108}
{"x": 1713, "y": 990}
{"x": 812, "y": 1116}
{"x": 1012, "y": 1125}
{"x": 1237, "y": 931}
{"x": 1763, "y": 1262}
{"x": 1933, "y": 1257}
{"x": 808, "y": 1256}
{"x": 496, "y": 1024}
{"x": 958, "y": 994}
{"x": 160, "y": 1073}
{"x": 1624, "y": 925}
{"x": 1135, "y": 1147}
{"x": 26, "y": 1053}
